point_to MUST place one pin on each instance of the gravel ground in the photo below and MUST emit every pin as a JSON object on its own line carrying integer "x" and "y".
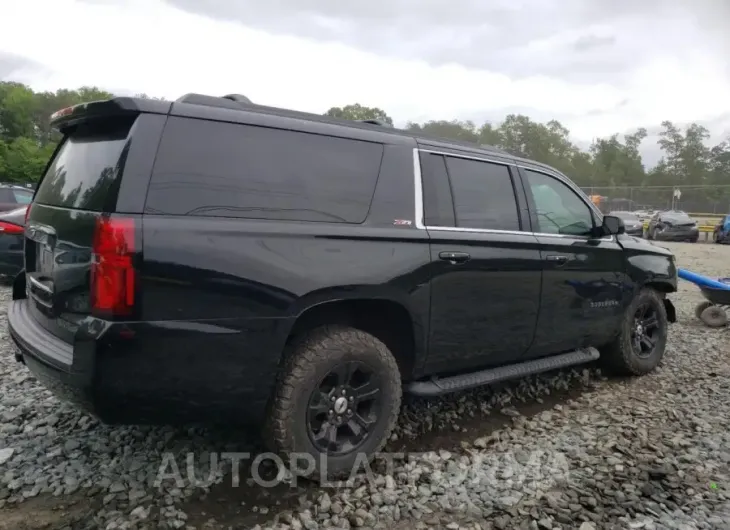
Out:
{"x": 562, "y": 450}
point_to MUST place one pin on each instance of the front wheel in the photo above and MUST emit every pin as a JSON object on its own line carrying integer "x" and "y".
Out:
{"x": 338, "y": 399}
{"x": 640, "y": 345}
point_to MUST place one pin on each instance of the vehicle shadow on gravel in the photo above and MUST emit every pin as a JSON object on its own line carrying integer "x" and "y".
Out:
{"x": 451, "y": 423}
{"x": 47, "y": 512}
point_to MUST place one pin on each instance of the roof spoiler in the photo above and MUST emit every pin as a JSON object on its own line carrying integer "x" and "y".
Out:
{"x": 121, "y": 106}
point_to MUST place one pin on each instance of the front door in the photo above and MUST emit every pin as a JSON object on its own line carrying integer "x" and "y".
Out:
{"x": 584, "y": 289}
{"x": 485, "y": 271}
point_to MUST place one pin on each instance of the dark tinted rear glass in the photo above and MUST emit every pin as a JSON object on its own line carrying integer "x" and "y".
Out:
{"x": 85, "y": 172}
{"x": 208, "y": 168}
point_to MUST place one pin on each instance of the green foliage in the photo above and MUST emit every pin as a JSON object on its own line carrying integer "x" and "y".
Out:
{"x": 26, "y": 138}
{"x": 358, "y": 112}
{"x": 612, "y": 161}
{"x": 27, "y": 141}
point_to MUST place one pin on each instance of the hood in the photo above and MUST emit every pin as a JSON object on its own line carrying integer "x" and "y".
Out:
{"x": 639, "y": 245}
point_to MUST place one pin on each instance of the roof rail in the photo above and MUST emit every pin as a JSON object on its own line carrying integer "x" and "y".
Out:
{"x": 231, "y": 101}
{"x": 238, "y": 97}
{"x": 374, "y": 121}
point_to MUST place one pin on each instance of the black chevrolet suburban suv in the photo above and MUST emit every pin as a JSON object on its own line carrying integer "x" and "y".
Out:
{"x": 212, "y": 259}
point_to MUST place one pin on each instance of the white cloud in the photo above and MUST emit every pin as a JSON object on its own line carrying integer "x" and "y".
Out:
{"x": 148, "y": 46}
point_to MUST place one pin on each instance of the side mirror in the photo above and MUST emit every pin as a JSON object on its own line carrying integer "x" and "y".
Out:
{"x": 613, "y": 225}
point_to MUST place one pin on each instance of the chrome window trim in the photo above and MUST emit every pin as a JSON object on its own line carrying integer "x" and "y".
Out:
{"x": 418, "y": 187}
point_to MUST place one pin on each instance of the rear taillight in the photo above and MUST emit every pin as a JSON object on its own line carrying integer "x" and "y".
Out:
{"x": 10, "y": 228}
{"x": 27, "y": 213}
{"x": 112, "y": 267}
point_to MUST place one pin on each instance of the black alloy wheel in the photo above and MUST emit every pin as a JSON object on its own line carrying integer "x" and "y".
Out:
{"x": 344, "y": 408}
{"x": 645, "y": 332}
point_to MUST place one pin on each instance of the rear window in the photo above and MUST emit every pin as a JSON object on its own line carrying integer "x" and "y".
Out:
{"x": 85, "y": 172}
{"x": 23, "y": 197}
{"x": 206, "y": 168}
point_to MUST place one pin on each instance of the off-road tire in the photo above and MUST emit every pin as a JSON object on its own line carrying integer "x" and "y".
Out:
{"x": 308, "y": 361}
{"x": 619, "y": 356}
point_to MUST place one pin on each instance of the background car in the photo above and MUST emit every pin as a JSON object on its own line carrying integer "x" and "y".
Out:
{"x": 12, "y": 226}
{"x": 632, "y": 222}
{"x": 673, "y": 225}
{"x": 12, "y": 196}
{"x": 721, "y": 234}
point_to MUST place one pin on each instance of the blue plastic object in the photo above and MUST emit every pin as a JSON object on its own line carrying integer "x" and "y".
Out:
{"x": 702, "y": 281}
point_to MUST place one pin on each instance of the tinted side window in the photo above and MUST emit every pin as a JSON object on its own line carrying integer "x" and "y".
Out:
{"x": 484, "y": 196}
{"x": 228, "y": 170}
{"x": 559, "y": 209}
{"x": 6, "y": 195}
{"x": 438, "y": 208}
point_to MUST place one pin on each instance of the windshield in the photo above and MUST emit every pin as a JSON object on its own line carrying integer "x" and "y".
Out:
{"x": 677, "y": 217}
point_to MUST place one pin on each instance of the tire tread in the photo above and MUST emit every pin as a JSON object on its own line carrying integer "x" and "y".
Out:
{"x": 309, "y": 350}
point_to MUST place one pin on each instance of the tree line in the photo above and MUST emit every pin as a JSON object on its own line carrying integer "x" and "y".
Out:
{"x": 27, "y": 141}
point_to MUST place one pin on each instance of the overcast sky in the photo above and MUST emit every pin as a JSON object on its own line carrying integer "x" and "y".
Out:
{"x": 599, "y": 66}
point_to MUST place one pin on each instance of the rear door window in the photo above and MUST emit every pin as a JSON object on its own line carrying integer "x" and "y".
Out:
{"x": 483, "y": 193}
{"x": 86, "y": 170}
{"x": 207, "y": 168}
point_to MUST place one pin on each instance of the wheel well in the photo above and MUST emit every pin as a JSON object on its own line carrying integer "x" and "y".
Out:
{"x": 665, "y": 289}
{"x": 387, "y": 320}
{"x": 661, "y": 287}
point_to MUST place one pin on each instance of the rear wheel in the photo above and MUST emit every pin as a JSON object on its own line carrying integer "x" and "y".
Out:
{"x": 338, "y": 399}
{"x": 640, "y": 345}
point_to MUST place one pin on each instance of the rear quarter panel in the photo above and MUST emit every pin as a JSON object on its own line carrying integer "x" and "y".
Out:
{"x": 220, "y": 295}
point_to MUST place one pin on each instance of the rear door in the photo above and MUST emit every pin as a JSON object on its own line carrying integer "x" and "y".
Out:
{"x": 80, "y": 184}
{"x": 486, "y": 268}
{"x": 584, "y": 288}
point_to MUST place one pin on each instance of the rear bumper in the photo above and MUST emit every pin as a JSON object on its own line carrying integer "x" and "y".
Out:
{"x": 154, "y": 373}
{"x": 51, "y": 360}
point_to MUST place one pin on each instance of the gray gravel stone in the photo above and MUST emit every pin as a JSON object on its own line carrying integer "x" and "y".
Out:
{"x": 649, "y": 452}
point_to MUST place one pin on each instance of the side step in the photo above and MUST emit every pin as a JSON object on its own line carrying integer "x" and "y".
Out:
{"x": 445, "y": 385}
